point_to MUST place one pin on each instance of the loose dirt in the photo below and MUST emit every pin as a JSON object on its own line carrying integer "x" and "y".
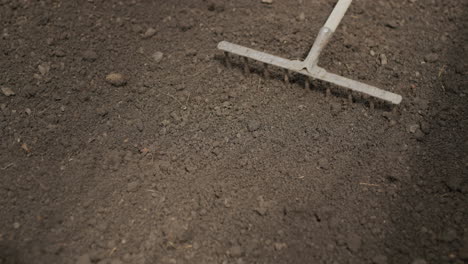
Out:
{"x": 125, "y": 138}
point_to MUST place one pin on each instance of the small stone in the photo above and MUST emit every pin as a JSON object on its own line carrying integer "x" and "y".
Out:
{"x": 28, "y": 111}
{"x": 262, "y": 211}
{"x": 157, "y": 56}
{"x": 267, "y": 2}
{"x": 149, "y": 33}
{"x": 90, "y": 55}
{"x": 372, "y": 53}
{"x": 235, "y": 251}
{"x": 84, "y": 259}
{"x": 133, "y": 186}
{"x": 391, "y": 24}
{"x": 419, "y": 261}
{"x": 16, "y": 225}
{"x": 383, "y": 59}
{"x": 280, "y": 246}
{"x": 116, "y": 79}
{"x": 353, "y": 242}
{"x": 379, "y": 259}
{"x": 7, "y": 91}
{"x": 43, "y": 68}
{"x": 301, "y": 16}
{"x": 59, "y": 53}
{"x": 323, "y": 163}
{"x": 253, "y": 125}
{"x": 413, "y": 128}
{"x": 431, "y": 58}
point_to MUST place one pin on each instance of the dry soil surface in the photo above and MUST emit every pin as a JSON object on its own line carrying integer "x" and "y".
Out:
{"x": 126, "y": 139}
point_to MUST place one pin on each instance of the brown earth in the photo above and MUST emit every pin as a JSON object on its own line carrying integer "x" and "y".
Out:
{"x": 177, "y": 159}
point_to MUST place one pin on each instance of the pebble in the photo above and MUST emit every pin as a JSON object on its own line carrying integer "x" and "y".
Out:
{"x": 43, "y": 68}
{"x": 267, "y": 2}
{"x": 149, "y": 33}
{"x": 7, "y": 91}
{"x": 353, "y": 242}
{"x": 253, "y": 125}
{"x": 280, "y": 246}
{"x": 116, "y": 79}
{"x": 133, "y": 186}
{"x": 383, "y": 59}
{"x": 84, "y": 259}
{"x": 379, "y": 259}
{"x": 413, "y": 128}
{"x": 323, "y": 163}
{"x": 391, "y": 24}
{"x": 16, "y": 225}
{"x": 157, "y": 56}
{"x": 301, "y": 16}
{"x": 28, "y": 111}
{"x": 90, "y": 55}
{"x": 431, "y": 57}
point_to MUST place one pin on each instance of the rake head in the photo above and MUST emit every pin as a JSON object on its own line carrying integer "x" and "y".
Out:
{"x": 309, "y": 67}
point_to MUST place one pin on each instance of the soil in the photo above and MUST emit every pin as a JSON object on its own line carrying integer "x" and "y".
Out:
{"x": 126, "y": 139}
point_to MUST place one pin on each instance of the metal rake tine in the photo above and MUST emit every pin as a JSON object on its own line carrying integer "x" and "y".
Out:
{"x": 307, "y": 83}
{"x": 265, "y": 71}
{"x": 328, "y": 92}
{"x": 227, "y": 60}
{"x": 245, "y": 62}
{"x": 371, "y": 104}
{"x": 286, "y": 76}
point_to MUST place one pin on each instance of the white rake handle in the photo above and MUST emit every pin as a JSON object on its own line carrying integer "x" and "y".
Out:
{"x": 337, "y": 15}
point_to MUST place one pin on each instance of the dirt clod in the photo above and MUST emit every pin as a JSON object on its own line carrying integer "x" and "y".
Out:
{"x": 431, "y": 57}
{"x": 354, "y": 242}
{"x": 157, "y": 56}
{"x": 253, "y": 125}
{"x": 90, "y": 55}
{"x": 149, "y": 33}
{"x": 133, "y": 186}
{"x": 7, "y": 91}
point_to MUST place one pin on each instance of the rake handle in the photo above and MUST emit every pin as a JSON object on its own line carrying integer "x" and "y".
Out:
{"x": 326, "y": 33}
{"x": 337, "y": 15}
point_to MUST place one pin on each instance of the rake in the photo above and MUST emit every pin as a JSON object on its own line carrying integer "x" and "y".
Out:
{"x": 309, "y": 66}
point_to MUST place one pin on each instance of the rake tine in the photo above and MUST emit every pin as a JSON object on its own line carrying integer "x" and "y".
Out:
{"x": 307, "y": 83}
{"x": 265, "y": 71}
{"x": 371, "y": 104}
{"x": 328, "y": 92}
{"x": 286, "y": 77}
{"x": 245, "y": 62}
{"x": 227, "y": 59}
